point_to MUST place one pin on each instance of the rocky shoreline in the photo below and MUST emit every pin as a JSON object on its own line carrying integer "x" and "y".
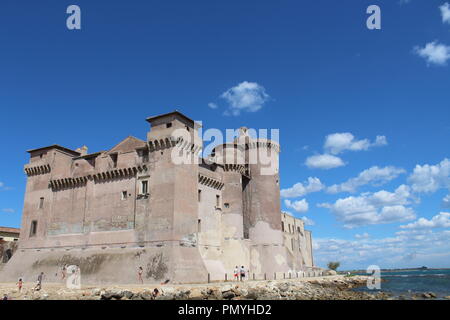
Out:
{"x": 321, "y": 288}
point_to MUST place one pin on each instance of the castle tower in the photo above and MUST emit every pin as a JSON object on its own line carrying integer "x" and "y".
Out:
{"x": 261, "y": 194}
{"x": 174, "y": 145}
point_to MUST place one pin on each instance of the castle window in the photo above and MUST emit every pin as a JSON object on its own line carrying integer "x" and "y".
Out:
{"x": 144, "y": 187}
{"x": 226, "y": 205}
{"x": 199, "y": 225}
{"x": 217, "y": 201}
{"x": 41, "y": 203}
{"x": 282, "y": 226}
{"x": 124, "y": 195}
{"x": 187, "y": 128}
{"x": 144, "y": 155}
{"x": 199, "y": 195}
{"x": 114, "y": 159}
{"x": 298, "y": 229}
{"x": 33, "y": 228}
{"x": 168, "y": 125}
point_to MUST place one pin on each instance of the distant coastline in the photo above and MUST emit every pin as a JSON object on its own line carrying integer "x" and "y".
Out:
{"x": 394, "y": 270}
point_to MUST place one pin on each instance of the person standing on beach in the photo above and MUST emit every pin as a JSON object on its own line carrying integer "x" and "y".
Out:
{"x": 39, "y": 282}
{"x": 20, "y": 284}
{"x": 236, "y": 273}
{"x": 140, "y": 271}
{"x": 242, "y": 271}
{"x": 64, "y": 272}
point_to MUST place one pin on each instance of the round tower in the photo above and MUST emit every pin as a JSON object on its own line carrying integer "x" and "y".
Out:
{"x": 232, "y": 157}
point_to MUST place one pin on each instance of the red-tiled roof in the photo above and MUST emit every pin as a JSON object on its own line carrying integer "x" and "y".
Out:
{"x": 9, "y": 230}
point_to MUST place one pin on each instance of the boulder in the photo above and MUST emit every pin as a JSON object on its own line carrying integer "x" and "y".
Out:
{"x": 330, "y": 273}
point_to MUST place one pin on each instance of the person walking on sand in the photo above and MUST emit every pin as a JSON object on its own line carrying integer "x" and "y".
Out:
{"x": 64, "y": 272}
{"x": 242, "y": 271}
{"x": 140, "y": 271}
{"x": 20, "y": 284}
{"x": 39, "y": 282}
{"x": 236, "y": 273}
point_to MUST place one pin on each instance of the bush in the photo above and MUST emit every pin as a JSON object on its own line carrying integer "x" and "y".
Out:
{"x": 333, "y": 265}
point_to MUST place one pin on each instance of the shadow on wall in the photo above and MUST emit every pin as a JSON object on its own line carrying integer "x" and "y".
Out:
{"x": 7, "y": 250}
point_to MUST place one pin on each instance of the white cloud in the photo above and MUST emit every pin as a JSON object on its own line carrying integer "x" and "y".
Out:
{"x": 373, "y": 208}
{"x": 406, "y": 249}
{"x": 212, "y": 105}
{"x": 365, "y": 235}
{"x": 375, "y": 176}
{"x": 337, "y": 143}
{"x": 324, "y": 161}
{"x": 442, "y": 220}
{"x": 445, "y": 12}
{"x": 434, "y": 53}
{"x": 429, "y": 178}
{"x": 308, "y": 221}
{"x": 446, "y": 201}
{"x": 8, "y": 210}
{"x": 301, "y": 189}
{"x": 246, "y": 96}
{"x": 299, "y": 206}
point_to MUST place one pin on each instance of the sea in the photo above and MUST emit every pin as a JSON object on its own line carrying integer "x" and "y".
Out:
{"x": 409, "y": 282}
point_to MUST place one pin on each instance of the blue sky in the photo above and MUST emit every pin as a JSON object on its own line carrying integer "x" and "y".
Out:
{"x": 363, "y": 114}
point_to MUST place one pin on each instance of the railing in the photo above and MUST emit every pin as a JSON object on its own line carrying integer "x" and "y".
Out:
{"x": 249, "y": 276}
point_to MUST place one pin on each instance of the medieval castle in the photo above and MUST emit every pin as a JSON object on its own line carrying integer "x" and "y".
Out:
{"x": 113, "y": 211}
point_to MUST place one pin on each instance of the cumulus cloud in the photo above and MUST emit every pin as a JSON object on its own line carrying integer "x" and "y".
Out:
{"x": 337, "y": 143}
{"x": 212, "y": 105}
{"x": 246, "y": 96}
{"x": 381, "y": 207}
{"x": 308, "y": 221}
{"x": 445, "y": 12}
{"x": 442, "y": 220}
{"x": 302, "y": 189}
{"x": 374, "y": 176}
{"x": 406, "y": 249}
{"x": 446, "y": 201}
{"x": 324, "y": 162}
{"x": 365, "y": 235}
{"x": 430, "y": 178}
{"x": 299, "y": 206}
{"x": 434, "y": 53}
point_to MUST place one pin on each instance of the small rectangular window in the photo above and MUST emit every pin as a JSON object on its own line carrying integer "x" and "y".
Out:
{"x": 199, "y": 225}
{"x": 282, "y": 226}
{"x": 124, "y": 195}
{"x": 41, "y": 203}
{"x": 199, "y": 195}
{"x": 114, "y": 159}
{"x": 168, "y": 125}
{"x": 298, "y": 229}
{"x": 145, "y": 156}
{"x": 33, "y": 228}
{"x": 217, "y": 201}
{"x": 226, "y": 205}
{"x": 144, "y": 187}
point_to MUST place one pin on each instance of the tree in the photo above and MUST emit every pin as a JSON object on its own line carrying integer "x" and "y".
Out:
{"x": 333, "y": 265}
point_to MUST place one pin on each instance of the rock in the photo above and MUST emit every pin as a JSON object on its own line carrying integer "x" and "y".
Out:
{"x": 228, "y": 295}
{"x": 283, "y": 287}
{"x": 196, "y": 294}
{"x": 127, "y": 294}
{"x": 145, "y": 295}
{"x": 432, "y": 294}
{"x": 330, "y": 273}
{"x": 426, "y": 296}
{"x": 447, "y": 297}
{"x": 96, "y": 292}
